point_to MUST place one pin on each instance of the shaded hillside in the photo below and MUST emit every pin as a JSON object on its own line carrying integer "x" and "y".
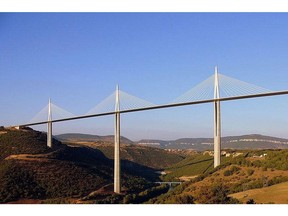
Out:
{"x": 91, "y": 138}
{"x": 146, "y": 156}
{"x": 48, "y": 179}
{"x": 29, "y": 170}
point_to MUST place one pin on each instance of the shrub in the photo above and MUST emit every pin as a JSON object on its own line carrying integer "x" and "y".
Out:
{"x": 235, "y": 169}
{"x": 264, "y": 168}
{"x": 227, "y": 173}
{"x": 184, "y": 199}
{"x": 250, "y": 172}
{"x": 113, "y": 199}
{"x": 250, "y": 201}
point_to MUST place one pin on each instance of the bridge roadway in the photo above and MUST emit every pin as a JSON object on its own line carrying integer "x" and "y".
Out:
{"x": 161, "y": 107}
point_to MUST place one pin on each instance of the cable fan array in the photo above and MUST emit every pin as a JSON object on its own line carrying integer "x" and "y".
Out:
{"x": 202, "y": 91}
{"x": 57, "y": 113}
{"x": 229, "y": 87}
{"x": 127, "y": 102}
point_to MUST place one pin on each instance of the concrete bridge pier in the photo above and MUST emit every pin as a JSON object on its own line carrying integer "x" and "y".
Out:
{"x": 49, "y": 126}
{"x": 217, "y": 122}
{"x": 117, "y": 183}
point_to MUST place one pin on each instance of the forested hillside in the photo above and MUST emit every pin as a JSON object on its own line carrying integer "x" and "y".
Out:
{"x": 30, "y": 170}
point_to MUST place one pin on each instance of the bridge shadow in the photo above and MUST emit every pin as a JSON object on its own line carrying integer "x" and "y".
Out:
{"x": 88, "y": 156}
{"x": 209, "y": 166}
{"x": 133, "y": 168}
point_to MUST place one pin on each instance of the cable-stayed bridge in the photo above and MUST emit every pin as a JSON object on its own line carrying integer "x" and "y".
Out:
{"x": 215, "y": 89}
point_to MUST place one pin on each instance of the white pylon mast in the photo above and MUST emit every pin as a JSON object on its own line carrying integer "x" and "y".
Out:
{"x": 49, "y": 126}
{"x": 117, "y": 185}
{"x": 217, "y": 121}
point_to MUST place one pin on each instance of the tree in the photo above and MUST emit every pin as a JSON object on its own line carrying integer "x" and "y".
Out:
{"x": 250, "y": 201}
{"x": 227, "y": 173}
{"x": 250, "y": 172}
{"x": 217, "y": 193}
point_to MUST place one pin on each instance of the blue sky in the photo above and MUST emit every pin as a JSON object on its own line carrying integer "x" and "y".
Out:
{"x": 78, "y": 58}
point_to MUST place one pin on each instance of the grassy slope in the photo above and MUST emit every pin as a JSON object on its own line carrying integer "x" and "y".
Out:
{"x": 274, "y": 194}
{"x": 192, "y": 166}
{"x": 245, "y": 173}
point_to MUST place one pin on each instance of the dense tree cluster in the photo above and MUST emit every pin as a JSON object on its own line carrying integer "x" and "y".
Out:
{"x": 145, "y": 195}
{"x": 216, "y": 193}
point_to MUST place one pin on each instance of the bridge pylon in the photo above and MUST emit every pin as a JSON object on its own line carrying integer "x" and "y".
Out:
{"x": 217, "y": 121}
{"x": 117, "y": 183}
{"x": 49, "y": 126}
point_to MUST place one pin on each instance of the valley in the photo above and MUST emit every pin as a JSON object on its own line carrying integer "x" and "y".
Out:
{"x": 81, "y": 171}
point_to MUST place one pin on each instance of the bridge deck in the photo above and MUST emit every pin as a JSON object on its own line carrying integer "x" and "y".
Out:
{"x": 161, "y": 107}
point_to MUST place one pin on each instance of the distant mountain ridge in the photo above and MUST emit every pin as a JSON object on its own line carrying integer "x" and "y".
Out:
{"x": 251, "y": 141}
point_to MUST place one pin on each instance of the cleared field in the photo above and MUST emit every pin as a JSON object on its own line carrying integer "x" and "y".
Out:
{"x": 277, "y": 194}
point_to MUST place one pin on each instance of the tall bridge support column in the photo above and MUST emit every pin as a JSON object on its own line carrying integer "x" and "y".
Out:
{"x": 49, "y": 134}
{"x": 217, "y": 122}
{"x": 117, "y": 185}
{"x": 49, "y": 126}
{"x": 217, "y": 134}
